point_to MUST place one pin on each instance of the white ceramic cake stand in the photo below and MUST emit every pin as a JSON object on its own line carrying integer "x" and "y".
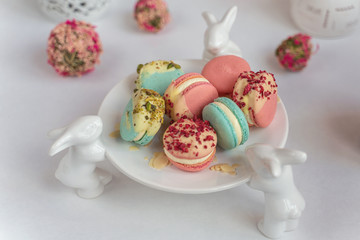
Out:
{"x": 170, "y": 179}
{"x": 264, "y": 164}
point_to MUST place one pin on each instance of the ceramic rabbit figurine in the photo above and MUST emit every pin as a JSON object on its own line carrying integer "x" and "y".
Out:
{"x": 217, "y": 41}
{"x": 78, "y": 168}
{"x": 273, "y": 175}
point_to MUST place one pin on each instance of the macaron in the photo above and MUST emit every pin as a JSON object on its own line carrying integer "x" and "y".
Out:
{"x": 142, "y": 117}
{"x": 228, "y": 121}
{"x": 256, "y": 95}
{"x": 190, "y": 144}
{"x": 157, "y": 75}
{"x": 188, "y": 95}
{"x": 223, "y": 71}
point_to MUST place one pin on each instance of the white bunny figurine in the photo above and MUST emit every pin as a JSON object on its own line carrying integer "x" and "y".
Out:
{"x": 273, "y": 175}
{"x": 217, "y": 41}
{"x": 78, "y": 168}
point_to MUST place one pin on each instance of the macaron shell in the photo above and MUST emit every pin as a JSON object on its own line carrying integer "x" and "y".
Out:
{"x": 145, "y": 140}
{"x": 190, "y": 100}
{"x": 127, "y": 130}
{"x": 252, "y": 92}
{"x": 264, "y": 116}
{"x": 198, "y": 96}
{"x": 227, "y": 138}
{"x": 194, "y": 167}
{"x": 239, "y": 116}
{"x": 159, "y": 82}
{"x": 180, "y": 109}
{"x": 223, "y": 71}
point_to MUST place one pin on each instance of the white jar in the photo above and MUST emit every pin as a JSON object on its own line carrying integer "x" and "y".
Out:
{"x": 326, "y": 18}
{"x": 86, "y": 10}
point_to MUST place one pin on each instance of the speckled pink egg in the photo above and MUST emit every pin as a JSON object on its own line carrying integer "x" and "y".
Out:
{"x": 151, "y": 15}
{"x": 74, "y": 48}
{"x": 294, "y": 52}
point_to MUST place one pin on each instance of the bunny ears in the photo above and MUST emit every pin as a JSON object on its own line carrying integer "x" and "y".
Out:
{"x": 267, "y": 161}
{"x": 84, "y": 129}
{"x": 216, "y": 39}
{"x": 227, "y": 21}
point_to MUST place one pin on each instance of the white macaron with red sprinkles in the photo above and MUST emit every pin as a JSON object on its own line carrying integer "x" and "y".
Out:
{"x": 190, "y": 144}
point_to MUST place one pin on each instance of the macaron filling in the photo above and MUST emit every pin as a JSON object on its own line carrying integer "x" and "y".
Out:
{"x": 139, "y": 136}
{"x": 187, "y": 161}
{"x": 181, "y": 87}
{"x": 233, "y": 120}
{"x": 190, "y": 144}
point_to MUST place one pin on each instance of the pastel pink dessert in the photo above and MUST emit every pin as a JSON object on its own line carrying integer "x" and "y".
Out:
{"x": 256, "y": 95}
{"x": 223, "y": 71}
{"x": 74, "y": 48}
{"x": 151, "y": 15}
{"x": 294, "y": 52}
{"x": 188, "y": 95}
{"x": 190, "y": 144}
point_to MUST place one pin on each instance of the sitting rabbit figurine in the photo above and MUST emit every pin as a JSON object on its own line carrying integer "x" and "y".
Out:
{"x": 217, "y": 41}
{"x": 78, "y": 169}
{"x": 273, "y": 175}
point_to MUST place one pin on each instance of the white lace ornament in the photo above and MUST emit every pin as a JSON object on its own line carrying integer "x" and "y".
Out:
{"x": 62, "y": 10}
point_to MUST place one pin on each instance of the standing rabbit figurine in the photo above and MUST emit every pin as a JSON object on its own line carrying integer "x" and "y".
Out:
{"x": 273, "y": 175}
{"x": 78, "y": 168}
{"x": 217, "y": 41}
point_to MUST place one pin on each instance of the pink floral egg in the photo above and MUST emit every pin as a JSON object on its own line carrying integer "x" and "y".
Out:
{"x": 294, "y": 52}
{"x": 74, "y": 48}
{"x": 151, "y": 15}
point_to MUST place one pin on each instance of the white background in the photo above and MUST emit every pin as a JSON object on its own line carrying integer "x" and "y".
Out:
{"x": 323, "y": 104}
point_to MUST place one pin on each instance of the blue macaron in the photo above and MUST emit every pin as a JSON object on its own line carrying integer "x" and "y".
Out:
{"x": 127, "y": 130}
{"x": 228, "y": 121}
{"x": 158, "y": 75}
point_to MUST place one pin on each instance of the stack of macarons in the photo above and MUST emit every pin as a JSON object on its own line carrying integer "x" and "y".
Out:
{"x": 200, "y": 119}
{"x": 144, "y": 113}
{"x": 254, "y": 92}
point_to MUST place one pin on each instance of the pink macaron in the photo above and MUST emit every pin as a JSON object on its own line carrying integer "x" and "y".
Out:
{"x": 256, "y": 95}
{"x": 190, "y": 144}
{"x": 223, "y": 71}
{"x": 188, "y": 95}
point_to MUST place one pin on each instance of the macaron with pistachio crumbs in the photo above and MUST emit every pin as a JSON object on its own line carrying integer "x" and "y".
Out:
{"x": 142, "y": 117}
{"x": 228, "y": 121}
{"x": 157, "y": 75}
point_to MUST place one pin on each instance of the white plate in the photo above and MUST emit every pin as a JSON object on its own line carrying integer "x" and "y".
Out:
{"x": 134, "y": 164}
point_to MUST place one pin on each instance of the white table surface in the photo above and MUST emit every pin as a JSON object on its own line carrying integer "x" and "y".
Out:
{"x": 323, "y": 104}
